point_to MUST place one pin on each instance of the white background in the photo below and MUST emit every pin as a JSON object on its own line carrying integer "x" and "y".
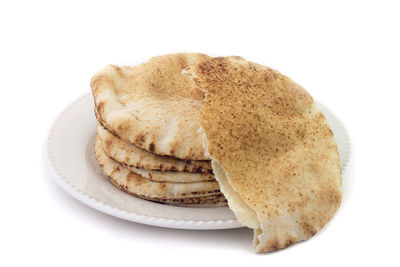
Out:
{"x": 345, "y": 53}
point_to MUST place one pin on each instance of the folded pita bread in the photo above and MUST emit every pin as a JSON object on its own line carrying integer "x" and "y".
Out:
{"x": 133, "y": 156}
{"x": 138, "y": 185}
{"x": 272, "y": 151}
{"x": 152, "y": 105}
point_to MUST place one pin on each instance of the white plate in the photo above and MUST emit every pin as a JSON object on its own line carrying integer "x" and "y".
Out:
{"x": 74, "y": 168}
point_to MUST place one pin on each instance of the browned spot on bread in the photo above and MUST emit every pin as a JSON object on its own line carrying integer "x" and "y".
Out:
{"x": 122, "y": 126}
{"x": 100, "y": 107}
{"x": 173, "y": 169}
{"x": 198, "y": 169}
{"x": 116, "y": 68}
{"x": 136, "y": 179}
{"x": 108, "y": 142}
{"x": 151, "y": 147}
{"x": 274, "y": 244}
{"x": 289, "y": 241}
{"x": 308, "y": 228}
{"x": 116, "y": 169}
{"x": 139, "y": 139}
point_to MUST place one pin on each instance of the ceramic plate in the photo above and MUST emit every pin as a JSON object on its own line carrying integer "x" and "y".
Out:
{"x": 75, "y": 170}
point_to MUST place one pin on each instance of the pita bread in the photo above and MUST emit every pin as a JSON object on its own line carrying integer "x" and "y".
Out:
{"x": 173, "y": 177}
{"x": 186, "y": 202}
{"x": 153, "y": 106}
{"x": 272, "y": 151}
{"x": 113, "y": 145}
{"x": 219, "y": 204}
{"x": 133, "y": 156}
{"x": 137, "y": 185}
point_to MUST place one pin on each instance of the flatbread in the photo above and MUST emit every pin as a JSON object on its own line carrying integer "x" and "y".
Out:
{"x": 137, "y": 185}
{"x": 173, "y": 177}
{"x": 133, "y": 156}
{"x": 273, "y": 153}
{"x": 121, "y": 152}
{"x": 217, "y": 200}
{"x": 153, "y": 106}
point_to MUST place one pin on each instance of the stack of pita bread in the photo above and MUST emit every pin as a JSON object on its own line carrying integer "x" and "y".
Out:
{"x": 272, "y": 151}
{"x": 148, "y": 141}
